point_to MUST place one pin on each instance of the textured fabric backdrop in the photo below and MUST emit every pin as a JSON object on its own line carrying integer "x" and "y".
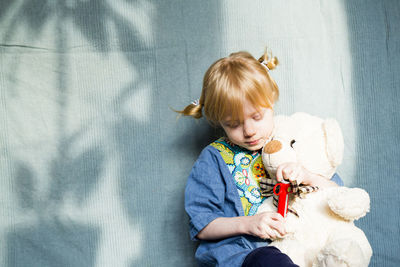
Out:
{"x": 93, "y": 161}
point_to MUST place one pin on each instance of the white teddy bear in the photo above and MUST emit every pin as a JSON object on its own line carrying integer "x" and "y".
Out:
{"x": 322, "y": 233}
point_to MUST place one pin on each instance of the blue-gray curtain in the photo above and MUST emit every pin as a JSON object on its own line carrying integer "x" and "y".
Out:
{"x": 93, "y": 160}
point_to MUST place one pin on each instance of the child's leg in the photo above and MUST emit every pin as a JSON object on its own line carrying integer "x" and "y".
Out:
{"x": 267, "y": 256}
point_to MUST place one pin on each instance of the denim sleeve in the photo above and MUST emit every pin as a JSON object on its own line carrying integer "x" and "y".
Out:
{"x": 336, "y": 178}
{"x": 204, "y": 193}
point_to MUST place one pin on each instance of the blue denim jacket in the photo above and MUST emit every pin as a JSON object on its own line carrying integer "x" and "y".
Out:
{"x": 211, "y": 193}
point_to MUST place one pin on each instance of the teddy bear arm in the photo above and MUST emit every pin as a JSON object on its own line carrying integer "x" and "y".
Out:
{"x": 349, "y": 203}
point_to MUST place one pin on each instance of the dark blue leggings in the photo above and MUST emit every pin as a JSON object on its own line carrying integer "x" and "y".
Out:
{"x": 267, "y": 256}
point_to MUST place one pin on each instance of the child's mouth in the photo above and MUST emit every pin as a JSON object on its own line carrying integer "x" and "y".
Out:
{"x": 252, "y": 143}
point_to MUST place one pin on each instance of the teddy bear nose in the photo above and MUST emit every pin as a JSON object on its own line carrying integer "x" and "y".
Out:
{"x": 272, "y": 147}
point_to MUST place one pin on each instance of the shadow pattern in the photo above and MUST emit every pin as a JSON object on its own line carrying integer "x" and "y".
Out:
{"x": 156, "y": 154}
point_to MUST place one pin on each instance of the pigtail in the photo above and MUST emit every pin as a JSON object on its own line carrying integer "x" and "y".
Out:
{"x": 194, "y": 110}
{"x": 269, "y": 61}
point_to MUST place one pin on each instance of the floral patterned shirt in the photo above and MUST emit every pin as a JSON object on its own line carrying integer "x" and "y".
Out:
{"x": 247, "y": 169}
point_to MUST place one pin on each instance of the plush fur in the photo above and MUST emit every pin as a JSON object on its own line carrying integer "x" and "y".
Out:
{"x": 324, "y": 233}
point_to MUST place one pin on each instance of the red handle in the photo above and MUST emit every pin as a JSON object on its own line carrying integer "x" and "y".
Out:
{"x": 282, "y": 190}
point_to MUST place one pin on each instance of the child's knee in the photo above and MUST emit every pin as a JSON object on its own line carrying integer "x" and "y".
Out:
{"x": 267, "y": 256}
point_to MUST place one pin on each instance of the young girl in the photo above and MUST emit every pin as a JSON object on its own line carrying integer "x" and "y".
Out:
{"x": 223, "y": 191}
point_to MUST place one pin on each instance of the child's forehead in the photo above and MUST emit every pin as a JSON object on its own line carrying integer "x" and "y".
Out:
{"x": 239, "y": 114}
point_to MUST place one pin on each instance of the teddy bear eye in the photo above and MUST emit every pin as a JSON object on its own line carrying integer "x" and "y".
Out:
{"x": 292, "y": 142}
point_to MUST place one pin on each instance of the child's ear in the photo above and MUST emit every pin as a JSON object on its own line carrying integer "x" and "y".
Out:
{"x": 334, "y": 141}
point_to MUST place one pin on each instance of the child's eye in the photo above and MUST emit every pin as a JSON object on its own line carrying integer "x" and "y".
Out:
{"x": 257, "y": 117}
{"x": 232, "y": 124}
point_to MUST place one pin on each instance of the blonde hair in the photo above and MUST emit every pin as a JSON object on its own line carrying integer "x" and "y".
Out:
{"x": 229, "y": 81}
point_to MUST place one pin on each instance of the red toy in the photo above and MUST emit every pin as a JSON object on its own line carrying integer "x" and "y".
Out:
{"x": 283, "y": 190}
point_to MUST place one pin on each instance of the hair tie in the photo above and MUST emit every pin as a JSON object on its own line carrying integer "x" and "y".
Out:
{"x": 196, "y": 102}
{"x": 265, "y": 64}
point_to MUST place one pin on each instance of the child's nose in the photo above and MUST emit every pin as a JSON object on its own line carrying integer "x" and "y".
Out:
{"x": 272, "y": 147}
{"x": 249, "y": 129}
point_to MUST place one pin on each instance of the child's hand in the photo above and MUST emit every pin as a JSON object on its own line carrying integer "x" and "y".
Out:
{"x": 265, "y": 225}
{"x": 292, "y": 171}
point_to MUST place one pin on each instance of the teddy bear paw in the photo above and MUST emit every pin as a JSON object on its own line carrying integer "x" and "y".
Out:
{"x": 349, "y": 203}
{"x": 341, "y": 253}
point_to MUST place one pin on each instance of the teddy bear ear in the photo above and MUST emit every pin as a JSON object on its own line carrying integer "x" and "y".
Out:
{"x": 334, "y": 141}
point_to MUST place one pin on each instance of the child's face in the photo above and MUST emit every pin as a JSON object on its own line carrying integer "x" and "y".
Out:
{"x": 255, "y": 129}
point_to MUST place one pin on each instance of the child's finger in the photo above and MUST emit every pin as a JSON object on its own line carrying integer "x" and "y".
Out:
{"x": 270, "y": 233}
{"x": 279, "y": 173}
{"x": 285, "y": 173}
{"x": 294, "y": 176}
{"x": 278, "y": 226}
{"x": 277, "y": 217}
{"x": 288, "y": 173}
